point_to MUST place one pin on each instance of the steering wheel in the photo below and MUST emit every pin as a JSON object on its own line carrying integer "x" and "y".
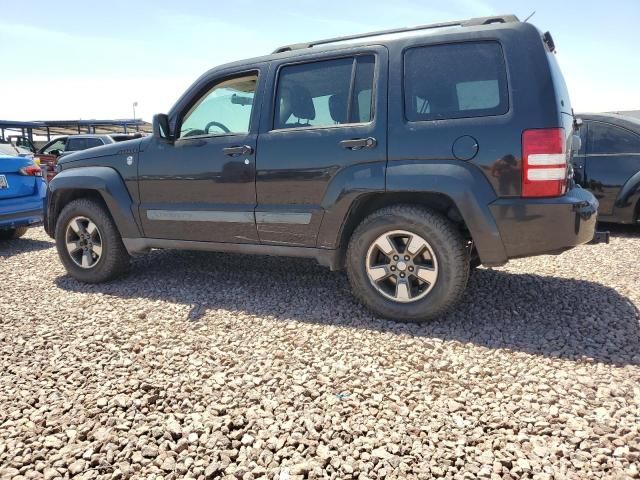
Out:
{"x": 193, "y": 133}
{"x": 216, "y": 124}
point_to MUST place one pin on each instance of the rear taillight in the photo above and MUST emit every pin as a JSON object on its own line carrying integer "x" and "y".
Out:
{"x": 544, "y": 163}
{"x": 31, "y": 171}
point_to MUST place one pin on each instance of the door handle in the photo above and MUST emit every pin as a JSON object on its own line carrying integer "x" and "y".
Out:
{"x": 359, "y": 143}
{"x": 238, "y": 150}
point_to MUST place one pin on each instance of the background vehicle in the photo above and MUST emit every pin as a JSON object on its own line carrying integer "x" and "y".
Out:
{"x": 58, "y": 147}
{"x": 22, "y": 142}
{"x": 22, "y": 194}
{"x": 608, "y": 164}
{"x": 401, "y": 160}
{"x": 8, "y": 149}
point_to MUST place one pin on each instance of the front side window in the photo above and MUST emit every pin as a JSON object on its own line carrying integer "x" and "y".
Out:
{"x": 606, "y": 138}
{"x": 325, "y": 93}
{"x": 455, "y": 81}
{"x": 223, "y": 110}
{"x": 57, "y": 146}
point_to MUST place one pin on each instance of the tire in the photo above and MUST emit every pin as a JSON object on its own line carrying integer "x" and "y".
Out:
{"x": 13, "y": 233}
{"x": 474, "y": 261}
{"x": 113, "y": 258}
{"x": 445, "y": 258}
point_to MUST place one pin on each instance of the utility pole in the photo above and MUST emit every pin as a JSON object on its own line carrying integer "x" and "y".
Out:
{"x": 135, "y": 104}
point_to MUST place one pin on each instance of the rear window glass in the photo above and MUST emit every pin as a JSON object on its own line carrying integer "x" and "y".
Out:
{"x": 455, "y": 81}
{"x": 6, "y": 149}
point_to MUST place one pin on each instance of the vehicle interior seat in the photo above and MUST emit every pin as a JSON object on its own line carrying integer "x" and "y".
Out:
{"x": 296, "y": 101}
{"x": 338, "y": 108}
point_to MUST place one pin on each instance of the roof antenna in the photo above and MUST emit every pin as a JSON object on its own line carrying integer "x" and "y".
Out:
{"x": 527, "y": 19}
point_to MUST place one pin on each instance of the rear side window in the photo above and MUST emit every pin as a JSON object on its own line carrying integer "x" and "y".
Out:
{"x": 74, "y": 144}
{"x": 325, "y": 93}
{"x": 94, "y": 142}
{"x": 606, "y": 138}
{"x": 455, "y": 81}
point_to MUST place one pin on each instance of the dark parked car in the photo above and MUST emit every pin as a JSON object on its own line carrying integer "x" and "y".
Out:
{"x": 400, "y": 159}
{"x": 74, "y": 143}
{"x": 608, "y": 164}
{"x": 58, "y": 147}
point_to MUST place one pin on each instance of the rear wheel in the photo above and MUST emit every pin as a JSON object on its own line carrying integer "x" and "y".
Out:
{"x": 88, "y": 242}
{"x": 407, "y": 263}
{"x": 13, "y": 233}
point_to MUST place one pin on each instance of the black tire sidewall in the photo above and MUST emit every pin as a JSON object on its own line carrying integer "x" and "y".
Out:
{"x": 7, "y": 234}
{"x": 449, "y": 268}
{"x": 107, "y": 267}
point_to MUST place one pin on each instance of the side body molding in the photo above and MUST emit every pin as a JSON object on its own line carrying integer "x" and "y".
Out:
{"x": 466, "y": 186}
{"x": 105, "y": 181}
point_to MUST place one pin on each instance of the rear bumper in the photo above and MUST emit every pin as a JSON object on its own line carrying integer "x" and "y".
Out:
{"x": 22, "y": 211}
{"x": 531, "y": 227}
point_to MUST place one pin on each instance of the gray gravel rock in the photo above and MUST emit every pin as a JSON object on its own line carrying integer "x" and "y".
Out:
{"x": 214, "y": 366}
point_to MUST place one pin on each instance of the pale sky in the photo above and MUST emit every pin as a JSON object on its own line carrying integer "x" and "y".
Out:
{"x": 70, "y": 59}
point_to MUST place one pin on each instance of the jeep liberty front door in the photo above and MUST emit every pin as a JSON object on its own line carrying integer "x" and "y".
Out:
{"x": 201, "y": 187}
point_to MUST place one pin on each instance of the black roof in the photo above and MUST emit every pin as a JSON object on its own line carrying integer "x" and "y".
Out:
{"x": 299, "y": 49}
{"x": 471, "y": 22}
{"x": 621, "y": 119}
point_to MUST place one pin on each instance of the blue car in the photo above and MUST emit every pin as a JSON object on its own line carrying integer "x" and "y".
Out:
{"x": 22, "y": 194}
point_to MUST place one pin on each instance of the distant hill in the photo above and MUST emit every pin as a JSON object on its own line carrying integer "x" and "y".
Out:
{"x": 629, "y": 113}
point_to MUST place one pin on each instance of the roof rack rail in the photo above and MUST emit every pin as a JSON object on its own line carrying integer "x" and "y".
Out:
{"x": 471, "y": 22}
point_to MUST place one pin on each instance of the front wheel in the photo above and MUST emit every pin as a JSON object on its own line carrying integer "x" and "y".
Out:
{"x": 407, "y": 263}
{"x": 88, "y": 242}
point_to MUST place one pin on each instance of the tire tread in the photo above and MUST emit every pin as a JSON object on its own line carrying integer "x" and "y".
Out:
{"x": 459, "y": 254}
{"x": 116, "y": 258}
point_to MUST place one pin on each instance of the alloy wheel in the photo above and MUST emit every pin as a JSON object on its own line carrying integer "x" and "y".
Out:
{"x": 402, "y": 266}
{"x": 84, "y": 242}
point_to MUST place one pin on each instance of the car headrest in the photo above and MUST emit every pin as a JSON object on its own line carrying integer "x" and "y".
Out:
{"x": 296, "y": 100}
{"x": 302, "y": 103}
{"x": 338, "y": 108}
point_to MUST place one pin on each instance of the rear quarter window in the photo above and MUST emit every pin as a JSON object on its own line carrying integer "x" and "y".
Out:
{"x": 605, "y": 138}
{"x": 455, "y": 81}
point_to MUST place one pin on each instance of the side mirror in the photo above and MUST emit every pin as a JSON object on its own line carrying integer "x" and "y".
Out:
{"x": 161, "y": 127}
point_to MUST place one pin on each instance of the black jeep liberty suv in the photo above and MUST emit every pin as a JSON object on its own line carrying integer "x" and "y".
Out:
{"x": 406, "y": 156}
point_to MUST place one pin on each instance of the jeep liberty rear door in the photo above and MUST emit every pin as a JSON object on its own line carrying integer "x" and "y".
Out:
{"x": 323, "y": 137}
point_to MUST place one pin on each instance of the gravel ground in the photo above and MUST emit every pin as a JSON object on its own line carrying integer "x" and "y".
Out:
{"x": 209, "y": 365}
